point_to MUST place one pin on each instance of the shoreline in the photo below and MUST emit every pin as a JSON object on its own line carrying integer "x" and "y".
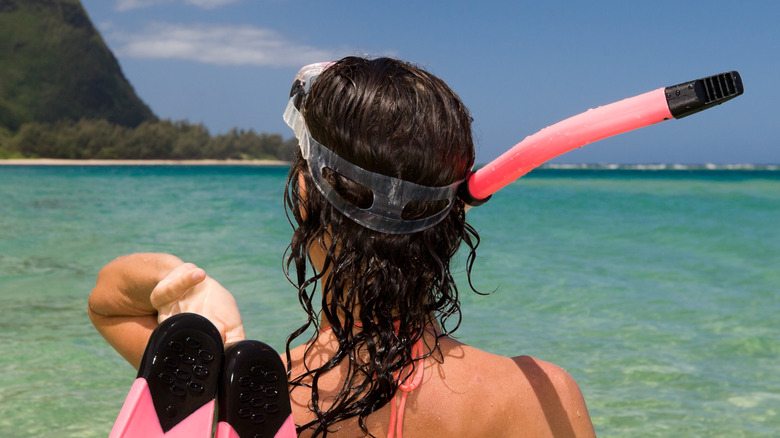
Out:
{"x": 279, "y": 163}
{"x": 91, "y": 162}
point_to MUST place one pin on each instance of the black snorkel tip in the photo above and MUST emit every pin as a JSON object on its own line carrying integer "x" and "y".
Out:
{"x": 465, "y": 195}
{"x": 698, "y": 95}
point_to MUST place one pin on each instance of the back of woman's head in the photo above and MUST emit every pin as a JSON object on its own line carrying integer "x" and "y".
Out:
{"x": 396, "y": 120}
{"x": 391, "y": 118}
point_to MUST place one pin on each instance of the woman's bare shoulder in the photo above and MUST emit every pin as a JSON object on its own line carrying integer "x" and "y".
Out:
{"x": 553, "y": 392}
{"x": 545, "y": 376}
{"x": 532, "y": 397}
{"x": 518, "y": 373}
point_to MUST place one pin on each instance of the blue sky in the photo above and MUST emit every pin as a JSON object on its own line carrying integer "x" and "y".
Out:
{"x": 519, "y": 66}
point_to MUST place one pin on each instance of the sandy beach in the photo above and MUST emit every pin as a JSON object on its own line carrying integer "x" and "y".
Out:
{"x": 65, "y": 162}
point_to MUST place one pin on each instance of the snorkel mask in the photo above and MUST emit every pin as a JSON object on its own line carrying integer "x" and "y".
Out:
{"x": 390, "y": 195}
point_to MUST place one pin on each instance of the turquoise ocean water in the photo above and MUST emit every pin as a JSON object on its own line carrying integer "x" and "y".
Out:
{"x": 659, "y": 291}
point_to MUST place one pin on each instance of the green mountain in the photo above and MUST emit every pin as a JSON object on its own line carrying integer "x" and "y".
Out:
{"x": 54, "y": 66}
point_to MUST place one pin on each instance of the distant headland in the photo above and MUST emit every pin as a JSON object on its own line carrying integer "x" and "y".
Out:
{"x": 64, "y": 96}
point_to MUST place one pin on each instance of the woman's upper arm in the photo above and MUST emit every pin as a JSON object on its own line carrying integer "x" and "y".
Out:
{"x": 124, "y": 285}
{"x": 119, "y": 305}
{"x": 127, "y": 335}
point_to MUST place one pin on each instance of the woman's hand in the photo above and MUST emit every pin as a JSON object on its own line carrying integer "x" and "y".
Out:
{"x": 188, "y": 289}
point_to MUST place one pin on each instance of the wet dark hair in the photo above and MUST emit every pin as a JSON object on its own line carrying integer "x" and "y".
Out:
{"x": 395, "y": 119}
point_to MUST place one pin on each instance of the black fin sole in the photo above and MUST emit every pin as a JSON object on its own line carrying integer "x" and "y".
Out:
{"x": 253, "y": 395}
{"x": 181, "y": 365}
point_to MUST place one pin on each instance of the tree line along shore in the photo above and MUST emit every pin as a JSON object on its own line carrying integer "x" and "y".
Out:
{"x": 88, "y": 139}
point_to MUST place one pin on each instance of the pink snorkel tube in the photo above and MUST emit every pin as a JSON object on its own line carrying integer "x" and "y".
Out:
{"x": 646, "y": 109}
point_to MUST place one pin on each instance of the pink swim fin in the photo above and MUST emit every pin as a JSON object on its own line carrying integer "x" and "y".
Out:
{"x": 174, "y": 394}
{"x": 253, "y": 396}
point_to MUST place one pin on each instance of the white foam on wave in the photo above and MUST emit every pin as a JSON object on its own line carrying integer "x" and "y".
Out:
{"x": 755, "y": 399}
{"x": 661, "y": 166}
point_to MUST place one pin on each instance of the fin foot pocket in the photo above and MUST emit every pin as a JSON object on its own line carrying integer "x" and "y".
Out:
{"x": 253, "y": 396}
{"x": 178, "y": 379}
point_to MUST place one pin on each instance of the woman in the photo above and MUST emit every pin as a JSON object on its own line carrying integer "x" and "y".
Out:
{"x": 384, "y": 147}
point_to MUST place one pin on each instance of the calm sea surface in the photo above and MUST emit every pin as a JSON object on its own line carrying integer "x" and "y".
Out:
{"x": 659, "y": 291}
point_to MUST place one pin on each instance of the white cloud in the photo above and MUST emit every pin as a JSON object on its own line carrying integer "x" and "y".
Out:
{"x": 126, "y": 5}
{"x": 210, "y": 4}
{"x": 218, "y": 44}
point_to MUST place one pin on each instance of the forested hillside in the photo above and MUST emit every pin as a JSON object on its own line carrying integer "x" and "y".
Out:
{"x": 63, "y": 95}
{"x": 55, "y": 66}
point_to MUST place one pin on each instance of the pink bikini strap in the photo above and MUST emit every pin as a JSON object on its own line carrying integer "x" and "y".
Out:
{"x": 398, "y": 405}
{"x": 397, "y": 416}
